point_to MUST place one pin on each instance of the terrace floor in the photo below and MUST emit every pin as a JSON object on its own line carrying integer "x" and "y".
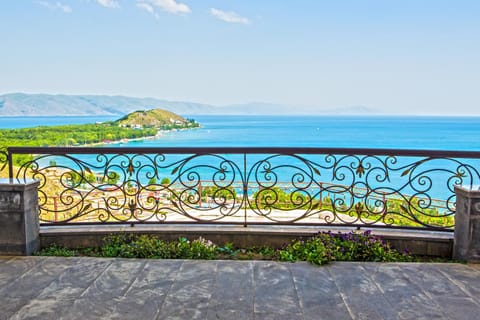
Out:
{"x": 98, "y": 288}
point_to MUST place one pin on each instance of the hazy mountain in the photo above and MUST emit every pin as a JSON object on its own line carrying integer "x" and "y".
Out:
{"x": 21, "y": 104}
{"x": 260, "y": 108}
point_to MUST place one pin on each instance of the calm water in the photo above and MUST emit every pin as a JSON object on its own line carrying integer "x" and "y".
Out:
{"x": 328, "y": 131}
{"x": 447, "y": 133}
{"x": 303, "y": 131}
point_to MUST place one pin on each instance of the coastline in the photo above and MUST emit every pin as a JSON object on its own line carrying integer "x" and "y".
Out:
{"x": 125, "y": 140}
{"x": 159, "y": 134}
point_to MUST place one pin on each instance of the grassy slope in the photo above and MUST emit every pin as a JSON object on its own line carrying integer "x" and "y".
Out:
{"x": 151, "y": 118}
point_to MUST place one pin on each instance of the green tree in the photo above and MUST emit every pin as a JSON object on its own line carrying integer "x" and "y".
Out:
{"x": 76, "y": 179}
{"x": 112, "y": 177}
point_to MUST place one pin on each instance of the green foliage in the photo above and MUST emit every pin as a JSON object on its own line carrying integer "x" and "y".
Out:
{"x": 400, "y": 212}
{"x": 317, "y": 250}
{"x": 165, "y": 181}
{"x": 155, "y": 118}
{"x": 127, "y": 246}
{"x": 112, "y": 177}
{"x": 215, "y": 192}
{"x": 276, "y": 197}
{"x": 81, "y": 134}
{"x": 312, "y": 250}
{"x": 145, "y": 246}
{"x": 68, "y": 135}
{"x": 413, "y": 209}
{"x": 227, "y": 249}
{"x": 341, "y": 247}
{"x": 196, "y": 249}
{"x": 57, "y": 251}
{"x": 76, "y": 179}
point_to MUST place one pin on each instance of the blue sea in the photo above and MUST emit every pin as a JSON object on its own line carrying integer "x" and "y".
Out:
{"x": 439, "y": 133}
{"x": 434, "y": 133}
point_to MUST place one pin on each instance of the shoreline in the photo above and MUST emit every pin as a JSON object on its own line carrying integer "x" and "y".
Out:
{"x": 103, "y": 143}
{"x": 159, "y": 134}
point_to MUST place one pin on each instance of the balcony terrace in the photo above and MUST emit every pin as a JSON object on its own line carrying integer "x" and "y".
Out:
{"x": 309, "y": 187}
{"x": 409, "y": 196}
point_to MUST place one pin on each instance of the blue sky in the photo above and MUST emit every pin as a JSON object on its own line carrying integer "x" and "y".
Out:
{"x": 396, "y": 56}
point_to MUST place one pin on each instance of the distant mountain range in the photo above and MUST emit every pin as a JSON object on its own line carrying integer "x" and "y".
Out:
{"x": 22, "y": 104}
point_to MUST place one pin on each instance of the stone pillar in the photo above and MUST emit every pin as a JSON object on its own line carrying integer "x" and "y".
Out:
{"x": 466, "y": 244}
{"x": 19, "y": 225}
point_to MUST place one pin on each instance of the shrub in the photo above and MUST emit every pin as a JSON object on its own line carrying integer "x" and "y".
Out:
{"x": 312, "y": 250}
{"x": 351, "y": 246}
{"x": 196, "y": 249}
{"x": 56, "y": 251}
{"x": 130, "y": 246}
{"x": 146, "y": 246}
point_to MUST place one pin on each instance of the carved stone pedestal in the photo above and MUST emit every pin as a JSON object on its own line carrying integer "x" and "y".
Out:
{"x": 466, "y": 245}
{"x": 19, "y": 226}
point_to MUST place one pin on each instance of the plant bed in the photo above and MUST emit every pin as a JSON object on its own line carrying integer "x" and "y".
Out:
{"x": 319, "y": 249}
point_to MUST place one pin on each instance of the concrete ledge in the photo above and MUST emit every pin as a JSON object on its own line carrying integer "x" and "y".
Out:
{"x": 427, "y": 243}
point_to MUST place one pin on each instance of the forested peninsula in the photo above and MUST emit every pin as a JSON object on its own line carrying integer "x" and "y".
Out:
{"x": 136, "y": 125}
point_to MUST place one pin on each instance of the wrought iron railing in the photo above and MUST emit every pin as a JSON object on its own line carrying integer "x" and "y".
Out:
{"x": 300, "y": 186}
{"x": 3, "y": 159}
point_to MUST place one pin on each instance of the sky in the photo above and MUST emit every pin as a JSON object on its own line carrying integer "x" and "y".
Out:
{"x": 394, "y": 56}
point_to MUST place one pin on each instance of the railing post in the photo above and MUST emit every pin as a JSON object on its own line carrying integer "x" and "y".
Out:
{"x": 19, "y": 225}
{"x": 245, "y": 189}
{"x": 10, "y": 164}
{"x": 466, "y": 245}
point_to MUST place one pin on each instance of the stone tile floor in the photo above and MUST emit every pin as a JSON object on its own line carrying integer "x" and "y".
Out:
{"x": 96, "y": 288}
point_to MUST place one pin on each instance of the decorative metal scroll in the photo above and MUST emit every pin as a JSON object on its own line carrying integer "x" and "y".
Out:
{"x": 3, "y": 161}
{"x": 242, "y": 188}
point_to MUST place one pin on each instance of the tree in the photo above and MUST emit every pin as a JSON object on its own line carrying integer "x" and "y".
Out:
{"x": 76, "y": 179}
{"x": 112, "y": 177}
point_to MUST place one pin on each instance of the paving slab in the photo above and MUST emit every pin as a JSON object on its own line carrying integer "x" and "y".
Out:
{"x": 99, "y": 288}
{"x": 318, "y": 294}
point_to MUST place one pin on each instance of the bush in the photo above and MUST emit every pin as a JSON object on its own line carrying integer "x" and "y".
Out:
{"x": 364, "y": 247}
{"x": 196, "y": 249}
{"x": 143, "y": 246}
{"x": 56, "y": 251}
{"x": 351, "y": 246}
{"x": 312, "y": 250}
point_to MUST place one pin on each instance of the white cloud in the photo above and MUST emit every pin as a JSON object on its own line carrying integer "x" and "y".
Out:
{"x": 147, "y": 7}
{"x": 55, "y": 6}
{"x": 230, "y": 17}
{"x": 109, "y": 3}
{"x": 171, "y": 6}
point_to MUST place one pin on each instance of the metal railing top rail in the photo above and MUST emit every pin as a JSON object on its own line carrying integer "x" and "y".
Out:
{"x": 248, "y": 150}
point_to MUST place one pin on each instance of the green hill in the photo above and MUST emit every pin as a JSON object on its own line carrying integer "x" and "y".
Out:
{"x": 156, "y": 118}
{"x": 139, "y": 124}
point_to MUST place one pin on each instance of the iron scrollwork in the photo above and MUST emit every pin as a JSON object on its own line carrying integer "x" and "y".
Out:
{"x": 284, "y": 187}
